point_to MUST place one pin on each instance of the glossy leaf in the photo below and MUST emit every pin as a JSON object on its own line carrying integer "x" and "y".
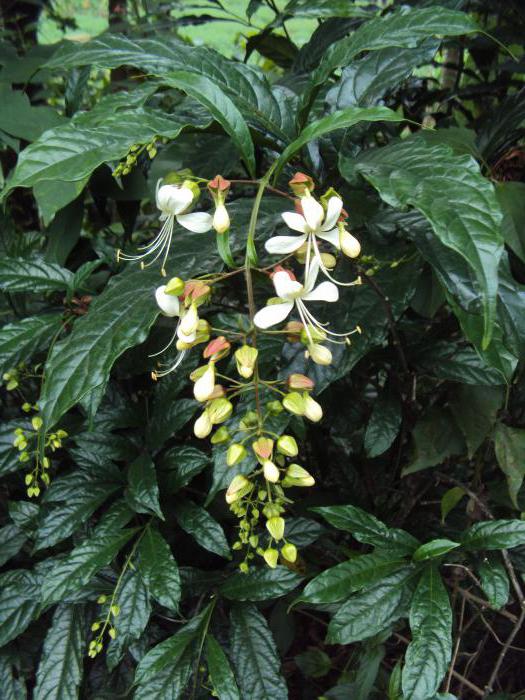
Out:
{"x": 475, "y": 410}
{"x": 494, "y": 579}
{"x": 12, "y": 539}
{"x": 159, "y": 569}
{"x": 495, "y": 534}
{"x": 428, "y": 654}
{"x": 261, "y": 583}
{"x": 20, "y": 604}
{"x": 220, "y": 671}
{"x": 170, "y": 683}
{"x": 36, "y": 276}
{"x": 254, "y": 655}
{"x": 143, "y": 491}
{"x": 450, "y": 499}
{"x": 197, "y": 522}
{"x": 21, "y": 339}
{"x": 509, "y": 445}
{"x": 181, "y": 464}
{"x": 383, "y": 426}
{"x": 434, "y": 548}
{"x": 22, "y": 119}
{"x": 61, "y": 666}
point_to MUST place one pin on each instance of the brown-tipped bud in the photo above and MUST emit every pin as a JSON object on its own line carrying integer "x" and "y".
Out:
{"x": 263, "y": 448}
{"x": 238, "y": 488}
{"x": 217, "y": 348}
{"x": 300, "y": 382}
{"x": 219, "y": 184}
{"x": 245, "y": 358}
{"x": 271, "y": 472}
{"x": 293, "y": 331}
{"x": 220, "y": 436}
{"x": 174, "y": 287}
{"x": 300, "y": 183}
{"x": 295, "y": 403}
{"x": 287, "y": 446}
{"x": 271, "y": 557}
{"x": 235, "y": 454}
{"x": 275, "y": 527}
{"x": 289, "y": 552}
{"x": 196, "y": 292}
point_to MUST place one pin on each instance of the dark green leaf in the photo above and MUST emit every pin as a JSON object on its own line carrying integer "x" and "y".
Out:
{"x": 434, "y": 548}
{"x": 13, "y": 686}
{"x": 260, "y": 583}
{"x": 450, "y": 499}
{"x": 182, "y": 463}
{"x": 19, "y": 605}
{"x": 21, "y": 119}
{"x": 168, "y": 684}
{"x": 338, "y": 582}
{"x": 254, "y": 655}
{"x": 383, "y": 425}
{"x": 495, "y": 534}
{"x": 166, "y": 421}
{"x": 434, "y": 438}
{"x": 18, "y": 275}
{"x": 314, "y": 663}
{"x": 509, "y": 444}
{"x": 9, "y": 454}
{"x": 494, "y": 579}
{"x": 159, "y": 569}
{"x": 428, "y": 654}
{"x": 221, "y": 674}
{"x": 475, "y": 409}
{"x": 510, "y": 197}
{"x": 12, "y": 539}
{"x": 143, "y": 491}
{"x": 60, "y": 670}
{"x": 21, "y": 339}
{"x": 198, "y": 523}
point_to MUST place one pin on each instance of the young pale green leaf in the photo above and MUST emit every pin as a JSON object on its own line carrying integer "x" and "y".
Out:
{"x": 36, "y": 276}
{"x": 133, "y": 601}
{"x": 495, "y": 534}
{"x": 118, "y": 319}
{"x": 221, "y": 674}
{"x": 494, "y": 579}
{"x": 342, "y": 119}
{"x": 338, "y": 582}
{"x": 260, "y": 583}
{"x": 77, "y": 567}
{"x": 60, "y": 669}
{"x": 434, "y": 548}
{"x": 403, "y": 29}
{"x": 12, "y": 539}
{"x": 198, "y": 523}
{"x": 459, "y": 203}
{"x": 368, "y": 529}
{"x": 450, "y": 499}
{"x": 383, "y": 425}
{"x": 428, "y": 654}
{"x": 170, "y": 683}
{"x": 170, "y": 651}
{"x": 509, "y": 445}
{"x": 143, "y": 491}
{"x": 254, "y": 655}
{"x": 22, "y": 339}
{"x": 220, "y": 106}
{"x": 159, "y": 569}
{"x": 368, "y": 613}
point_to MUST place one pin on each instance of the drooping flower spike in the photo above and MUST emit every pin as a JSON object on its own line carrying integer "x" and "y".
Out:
{"x": 314, "y": 223}
{"x": 173, "y": 201}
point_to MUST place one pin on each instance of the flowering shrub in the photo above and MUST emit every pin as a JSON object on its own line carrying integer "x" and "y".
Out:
{"x": 262, "y": 390}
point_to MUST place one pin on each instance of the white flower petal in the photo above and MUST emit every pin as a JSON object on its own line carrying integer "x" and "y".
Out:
{"x": 273, "y": 314}
{"x": 333, "y": 212}
{"x": 285, "y": 286}
{"x": 284, "y": 244}
{"x": 330, "y": 236}
{"x": 311, "y": 277}
{"x": 313, "y": 212}
{"x": 198, "y": 222}
{"x": 326, "y": 291}
{"x": 294, "y": 221}
{"x": 168, "y": 304}
{"x": 173, "y": 199}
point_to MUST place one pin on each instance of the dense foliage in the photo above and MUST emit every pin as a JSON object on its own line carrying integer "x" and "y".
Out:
{"x": 202, "y": 495}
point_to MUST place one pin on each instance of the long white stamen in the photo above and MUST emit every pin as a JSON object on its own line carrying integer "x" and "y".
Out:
{"x": 170, "y": 343}
{"x": 325, "y": 270}
{"x": 164, "y": 372}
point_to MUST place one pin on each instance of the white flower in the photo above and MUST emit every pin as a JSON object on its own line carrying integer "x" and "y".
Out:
{"x": 173, "y": 201}
{"x": 168, "y": 303}
{"x": 205, "y": 384}
{"x": 312, "y": 224}
{"x": 221, "y": 219}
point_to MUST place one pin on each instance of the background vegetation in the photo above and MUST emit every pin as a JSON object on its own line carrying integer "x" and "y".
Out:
{"x": 409, "y": 581}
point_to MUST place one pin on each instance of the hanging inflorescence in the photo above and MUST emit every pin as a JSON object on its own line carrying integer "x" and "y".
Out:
{"x": 239, "y": 412}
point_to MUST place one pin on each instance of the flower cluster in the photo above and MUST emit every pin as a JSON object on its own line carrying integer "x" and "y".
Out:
{"x": 246, "y": 415}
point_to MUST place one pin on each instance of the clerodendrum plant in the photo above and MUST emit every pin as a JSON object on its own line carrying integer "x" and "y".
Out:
{"x": 263, "y": 430}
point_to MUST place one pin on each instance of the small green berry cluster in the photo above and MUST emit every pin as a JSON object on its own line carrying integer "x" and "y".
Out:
{"x": 106, "y": 623}
{"x": 12, "y": 379}
{"x": 127, "y": 165}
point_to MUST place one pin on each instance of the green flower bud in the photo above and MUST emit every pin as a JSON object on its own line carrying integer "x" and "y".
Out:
{"x": 274, "y": 407}
{"x": 243, "y": 567}
{"x": 235, "y": 454}
{"x": 295, "y": 403}
{"x": 219, "y": 410}
{"x": 220, "y": 436}
{"x": 245, "y": 358}
{"x": 238, "y": 488}
{"x": 275, "y": 527}
{"x": 271, "y": 557}
{"x": 289, "y": 552}
{"x": 287, "y": 445}
{"x": 250, "y": 420}
{"x": 297, "y": 476}
{"x": 271, "y": 472}
{"x": 312, "y": 409}
{"x": 37, "y": 422}
{"x": 175, "y": 287}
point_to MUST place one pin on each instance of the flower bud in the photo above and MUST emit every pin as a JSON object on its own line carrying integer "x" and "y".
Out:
{"x": 328, "y": 260}
{"x": 289, "y": 552}
{"x": 295, "y": 403}
{"x": 293, "y": 331}
{"x": 219, "y": 410}
{"x": 300, "y": 183}
{"x": 204, "y": 386}
{"x": 245, "y": 358}
{"x": 203, "y": 425}
{"x": 315, "y": 335}
{"x": 174, "y": 287}
{"x": 217, "y": 348}
{"x": 235, "y": 454}
{"x": 250, "y": 420}
{"x": 297, "y": 476}
{"x": 349, "y": 244}
{"x": 263, "y": 448}
{"x": 312, "y": 410}
{"x": 196, "y": 292}
{"x": 274, "y": 407}
{"x": 220, "y": 436}
{"x": 287, "y": 446}
{"x": 271, "y": 557}
{"x": 238, "y": 488}
{"x": 168, "y": 304}
{"x": 271, "y": 472}
{"x": 37, "y": 422}
{"x": 320, "y": 354}
{"x": 221, "y": 219}
{"x": 189, "y": 322}
{"x": 275, "y": 527}
{"x": 219, "y": 187}
{"x": 300, "y": 382}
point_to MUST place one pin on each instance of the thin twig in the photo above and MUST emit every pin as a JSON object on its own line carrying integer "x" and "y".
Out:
{"x": 503, "y": 653}
{"x": 457, "y": 644}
